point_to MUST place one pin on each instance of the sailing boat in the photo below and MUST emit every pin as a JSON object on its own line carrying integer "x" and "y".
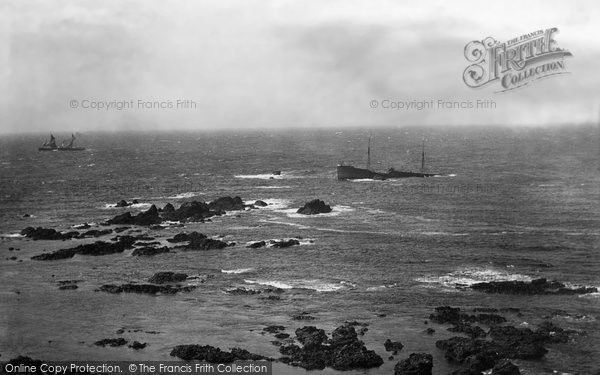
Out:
{"x": 348, "y": 172}
{"x": 70, "y": 146}
{"x": 49, "y": 146}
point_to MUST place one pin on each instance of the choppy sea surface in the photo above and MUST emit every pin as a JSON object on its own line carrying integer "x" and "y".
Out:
{"x": 509, "y": 205}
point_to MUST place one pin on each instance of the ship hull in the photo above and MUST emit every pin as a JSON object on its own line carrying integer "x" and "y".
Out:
{"x": 348, "y": 172}
{"x": 71, "y": 148}
{"x": 47, "y": 148}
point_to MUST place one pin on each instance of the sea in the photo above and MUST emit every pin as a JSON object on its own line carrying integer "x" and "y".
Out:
{"x": 507, "y": 204}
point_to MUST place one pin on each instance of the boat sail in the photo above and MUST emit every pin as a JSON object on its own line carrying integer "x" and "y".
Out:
{"x": 49, "y": 146}
{"x": 348, "y": 172}
{"x": 70, "y": 146}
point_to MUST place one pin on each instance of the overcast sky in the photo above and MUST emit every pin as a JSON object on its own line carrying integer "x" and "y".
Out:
{"x": 251, "y": 63}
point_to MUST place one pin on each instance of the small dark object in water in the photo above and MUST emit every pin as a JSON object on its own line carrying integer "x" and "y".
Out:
{"x": 111, "y": 342}
{"x": 314, "y": 207}
{"x": 138, "y": 345}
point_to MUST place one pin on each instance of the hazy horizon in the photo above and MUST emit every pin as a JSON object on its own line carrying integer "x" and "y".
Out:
{"x": 279, "y": 64}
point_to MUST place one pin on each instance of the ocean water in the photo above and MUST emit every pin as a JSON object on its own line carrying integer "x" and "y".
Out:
{"x": 509, "y": 205}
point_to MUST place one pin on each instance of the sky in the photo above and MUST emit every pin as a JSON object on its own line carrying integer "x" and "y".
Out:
{"x": 279, "y": 63}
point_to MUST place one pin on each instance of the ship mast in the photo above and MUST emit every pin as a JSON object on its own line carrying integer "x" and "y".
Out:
{"x": 423, "y": 157}
{"x": 369, "y": 155}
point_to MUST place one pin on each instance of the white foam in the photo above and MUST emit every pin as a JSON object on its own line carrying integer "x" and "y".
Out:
{"x": 189, "y": 194}
{"x": 275, "y": 204}
{"x": 109, "y": 206}
{"x": 274, "y": 187}
{"x": 12, "y": 235}
{"x": 470, "y": 276}
{"x": 316, "y": 285}
{"x": 264, "y": 176}
{"x": 238, "y": 270}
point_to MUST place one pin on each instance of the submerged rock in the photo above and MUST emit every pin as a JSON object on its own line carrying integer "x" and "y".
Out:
{"x": 284, "y": 243}
{"x": 40, "y": 233}
{"x": 111, "y": 342}
{"x": 149, "y": 251}
{"x": 227, "y": 204}
{"x": 260, "y": 203}
{"x": 314, "y": 207}
{"x": 415, "y": 364}
{"x": 145, "y": 218}
{"x": 256, "y": 245}
{"x": 184, "y": 237}
{"x": 206, "y": 244}
{"x": 167, "y": 277}
{"x": 138, "y": 345}
{"x": 96, "y": 249}
{"x": 538, "y": 286}
{"x": 211, "y": 354}
{"x": 146, "y": 288}
{"x": 392, "y": 346}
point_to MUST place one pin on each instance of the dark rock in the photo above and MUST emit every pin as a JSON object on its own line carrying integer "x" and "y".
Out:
{"x": 111, "y": 342}
{"x": 168, "y": 208}
{"x": 343, "y": 335}
{"x": 149, "y": 251}
{"x": 138, "y": 345}
{"x": 466, "y": 328}
{"x": 352, "y": 355}
{"x": 40, "y": 233}
{"x": 538, "y": 286}
{"x": 520, "y": 343}
{"x": 189, "y": 211}
{"x": 310, "y": 336}
{"x": 505, "y": 367}
{"x": 256, "y": 245}
{"x": 96, "y": 249}
{"x": 392, "y": 346}
{"x": 123, "y": 203}
{"x": 303, "y": 316}
{"x": 68, "y": 287}
{"x": 146, "y": 288}
{"x": 282, "y": 335}
{"x": 95, "y": 233}
{"x": 274, "y": 329}
{"x": 446, "y": 314}
{"x": 167, "y": 277}
{"x": 211, "y": 354}
{"x": 415, "y": 364}
{"x": 121, "y": 229}
{"x": 206, "y": 244}
{"x": 487, "y": 319}
{"x": 344, "y": 352}
{"x": 277, "y": 173}
{"x": 146, "y": 244}
{"x": 314, "y": 207}
{"x": 184, "y": 237}
{"x": 226, "y": 204}
{"x": 430, "y": 331}
{"x": 284, "y": 243}
{"x": 260, "y": 203}
{"x": 145, "y": 218}
{"x": 465, "y": 351}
